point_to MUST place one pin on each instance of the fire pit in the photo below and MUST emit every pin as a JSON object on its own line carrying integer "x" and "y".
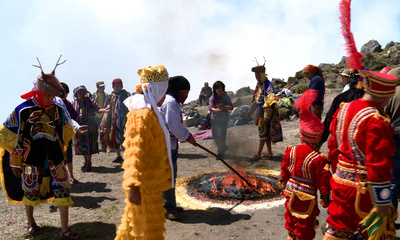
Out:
{"x": 224, "y": 189}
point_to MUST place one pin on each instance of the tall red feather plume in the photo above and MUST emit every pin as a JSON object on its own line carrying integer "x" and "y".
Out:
{"x": 304, "y": 103}
{"x": 354, "y": 57}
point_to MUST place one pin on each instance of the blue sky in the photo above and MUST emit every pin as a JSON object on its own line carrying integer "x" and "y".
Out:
{"x": 202, "y": 40}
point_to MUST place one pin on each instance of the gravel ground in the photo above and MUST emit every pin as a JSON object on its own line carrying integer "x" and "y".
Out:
{"x": 99, "y": 199}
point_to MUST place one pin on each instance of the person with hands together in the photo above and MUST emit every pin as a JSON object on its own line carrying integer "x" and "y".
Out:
{"x": 219, "y": 105}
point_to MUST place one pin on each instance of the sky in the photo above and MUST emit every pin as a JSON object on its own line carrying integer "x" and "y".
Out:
{"x": 203, "y": 40}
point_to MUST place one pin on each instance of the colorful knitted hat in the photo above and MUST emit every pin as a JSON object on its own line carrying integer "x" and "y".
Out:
{"x": 376, "y": 84}
{"x": 311, "y": 127}
{"x": 153, "y": 74}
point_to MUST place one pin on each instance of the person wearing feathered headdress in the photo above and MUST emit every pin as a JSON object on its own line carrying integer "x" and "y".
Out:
{"x": 147, "y": 157}
{"x": 361, "y": 149}
{"x": 305, "y": 171}
{"x": 267, "y": 120}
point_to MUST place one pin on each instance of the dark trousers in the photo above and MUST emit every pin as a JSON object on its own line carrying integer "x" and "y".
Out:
{"x": 169, "y": 195}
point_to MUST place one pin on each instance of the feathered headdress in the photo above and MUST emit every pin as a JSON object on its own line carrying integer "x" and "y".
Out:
{"x": 377, "y": 84}
{"x": 311, "y": 127}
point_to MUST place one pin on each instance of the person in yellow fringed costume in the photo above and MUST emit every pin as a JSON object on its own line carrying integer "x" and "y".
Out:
{"x": 147, "y": 159}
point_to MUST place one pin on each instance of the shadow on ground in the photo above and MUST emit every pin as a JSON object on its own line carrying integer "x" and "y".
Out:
{"x": 212, "y": 216}
{"x": 84, "y": 187}
{"x": 91, "y": 230}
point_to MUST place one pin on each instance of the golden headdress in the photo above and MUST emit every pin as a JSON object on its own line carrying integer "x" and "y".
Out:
{"x": 153, "y": 74}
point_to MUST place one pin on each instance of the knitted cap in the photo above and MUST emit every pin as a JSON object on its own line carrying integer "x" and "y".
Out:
{"x": 153, "y": 74}
{"x": 115, "y": 81}
{"x": 311, "y": 127}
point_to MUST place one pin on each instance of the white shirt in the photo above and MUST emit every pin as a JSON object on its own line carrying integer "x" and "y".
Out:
{"x": 172, "y": 115}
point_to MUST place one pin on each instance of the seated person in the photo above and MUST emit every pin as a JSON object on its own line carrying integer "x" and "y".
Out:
{"x": 205, "y": 94}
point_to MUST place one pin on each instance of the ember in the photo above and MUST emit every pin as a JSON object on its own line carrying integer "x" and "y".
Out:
{"x": 194, "y": 191}
{"x": 228, "y": 186}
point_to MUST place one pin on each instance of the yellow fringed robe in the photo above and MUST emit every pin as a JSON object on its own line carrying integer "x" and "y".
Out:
{"x": 146, "y": 165}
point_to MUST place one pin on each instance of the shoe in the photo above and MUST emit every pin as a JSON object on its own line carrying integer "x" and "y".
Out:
{"x": 268, "y": 155}
{"x": 255, "y": 158}
{"x": 69, "y": 234}
{"x": 173, "y": 216}
{"x": 179, "y": 209}
{"x": 73, "y": 180}
{"x": 118, "y": 160}
{"x": 35, "y": 229}
{"x": 397, "y": 226}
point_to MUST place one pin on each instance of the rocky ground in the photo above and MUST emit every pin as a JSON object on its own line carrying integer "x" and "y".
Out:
{"x": 99, "y": 199}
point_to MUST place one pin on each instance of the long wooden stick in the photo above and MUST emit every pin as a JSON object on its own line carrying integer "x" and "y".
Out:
{"x": 226, "y": 164}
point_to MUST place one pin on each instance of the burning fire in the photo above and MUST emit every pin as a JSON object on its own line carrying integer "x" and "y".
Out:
{"x": 232, "y": 186}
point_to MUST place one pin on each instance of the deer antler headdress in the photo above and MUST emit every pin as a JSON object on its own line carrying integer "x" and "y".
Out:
{"x": 46, "y": 83}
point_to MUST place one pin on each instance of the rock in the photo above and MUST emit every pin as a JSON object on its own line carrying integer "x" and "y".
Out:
{"x": 230, "y": 94}
{"x": 371, "y": 46}
{"x": 326, "y": 66}
{"x": 237, "y": 102}
{"x": 189, "y": 121}
{"x": 392, "y": 44}
{"x": 243, "y": 92}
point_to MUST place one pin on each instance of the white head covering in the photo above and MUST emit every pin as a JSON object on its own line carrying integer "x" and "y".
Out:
{"x": 154, "y": 84}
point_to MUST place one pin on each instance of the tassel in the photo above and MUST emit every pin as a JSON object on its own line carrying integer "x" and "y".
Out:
{"x": 45, "y": 186}
{"x": 378, "y": 227}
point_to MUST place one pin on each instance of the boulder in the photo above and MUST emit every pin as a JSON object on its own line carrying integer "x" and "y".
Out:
{"x": 392, "y": 45}
{"x": 243, "y": 92}
{"x": 371, "y": 46}
{"x": 237, "y": 102}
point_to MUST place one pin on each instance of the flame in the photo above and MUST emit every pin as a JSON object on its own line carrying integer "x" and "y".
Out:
{"x": 232, "y": 186}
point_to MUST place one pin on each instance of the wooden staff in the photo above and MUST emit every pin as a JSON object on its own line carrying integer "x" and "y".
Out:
{"x": 226, "y": 164}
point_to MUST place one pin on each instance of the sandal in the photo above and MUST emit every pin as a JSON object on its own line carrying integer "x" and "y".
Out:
{"x": 69, "y": 234}
{"x": 35, "y": 229}
{"x": 268, "y": 155}
{"x": 255, "y": 157}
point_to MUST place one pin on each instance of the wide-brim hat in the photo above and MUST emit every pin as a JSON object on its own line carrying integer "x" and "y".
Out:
{"x": 346, "y": 73}
{"x": 379, "y": 84}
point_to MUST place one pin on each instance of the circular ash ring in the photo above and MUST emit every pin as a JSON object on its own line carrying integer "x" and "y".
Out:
{"x": 224, "y": 189}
